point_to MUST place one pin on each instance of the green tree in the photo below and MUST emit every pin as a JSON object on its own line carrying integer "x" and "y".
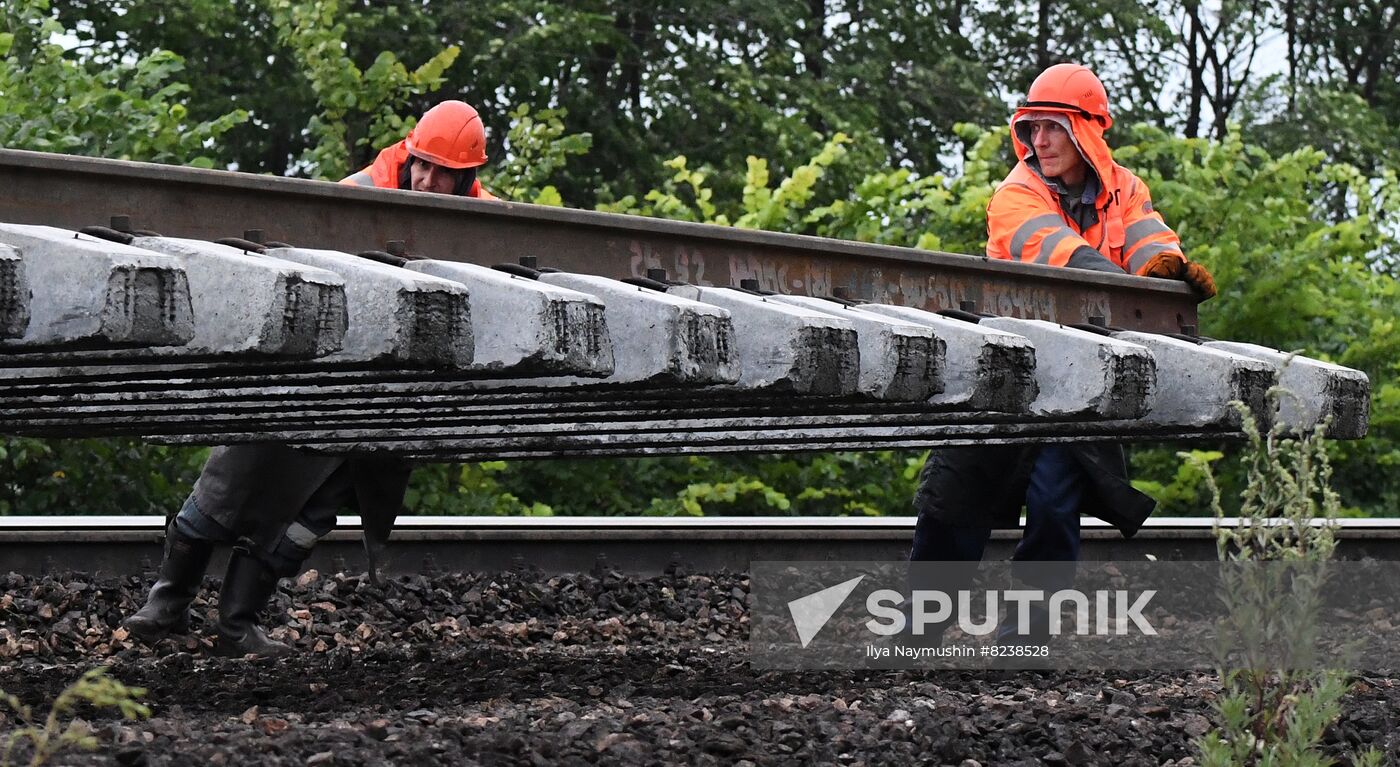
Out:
{"x": 232, "y": 59}
{"x": 840, "y": 119}
{"x": 356, "y": 108}
{"x": 1294, "y": 275}
{"x": 54, "y": 101}
{"x": 537, "y": 151}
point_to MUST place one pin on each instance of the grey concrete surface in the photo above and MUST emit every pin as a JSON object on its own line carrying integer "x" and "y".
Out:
{"x": 529, "y": 326}
{"x": 14, "y": 294}
{"x": 244, "y": 302}
{"x": 786, "y": 347}
{"x": 984, "y": 368}
{"x": 899, "y": 361}
{"x": 396, "y": 315}
{"x": 1081, "y": 373}
{"x": 660, "y": 337}
{"x": 91, "y": 293}
{"x": 1314, "y": 391}
{"x": 1196, "y": 384}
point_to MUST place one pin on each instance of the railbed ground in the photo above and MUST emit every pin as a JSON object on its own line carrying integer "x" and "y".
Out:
{"x": 517, "y": 667}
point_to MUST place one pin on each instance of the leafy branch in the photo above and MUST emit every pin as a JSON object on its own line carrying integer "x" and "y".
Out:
{"x": 51, "y": 736}
{"x": 344, "y": 93}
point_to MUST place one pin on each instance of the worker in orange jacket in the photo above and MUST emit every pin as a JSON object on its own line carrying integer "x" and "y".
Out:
{"x": 1065, "y": 204}
{"x": 440, "y": 155}
{"x": 274, "y": 502}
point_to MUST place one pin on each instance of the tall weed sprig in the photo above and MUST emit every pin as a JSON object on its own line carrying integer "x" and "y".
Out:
{"x": 52, "y": 735}
{"x": 1277, "y": 699}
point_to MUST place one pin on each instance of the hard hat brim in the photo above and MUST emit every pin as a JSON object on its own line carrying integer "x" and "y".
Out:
{"x": 443, "y": 161}
{"x": 1063, "y": 108}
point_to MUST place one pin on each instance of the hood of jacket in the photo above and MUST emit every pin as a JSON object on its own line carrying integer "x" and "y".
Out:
{"x": 1087, "y": 134}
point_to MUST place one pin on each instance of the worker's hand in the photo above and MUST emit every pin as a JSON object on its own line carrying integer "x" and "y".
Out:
{"x": 1200, "y": 279}
{"x": 1167, "y": 265}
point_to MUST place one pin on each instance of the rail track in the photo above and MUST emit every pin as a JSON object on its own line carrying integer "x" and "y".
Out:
{"x": 636, "y": 347}
{"x": 634, "y": 545}
{"x": 420, "y": 352}
{"x": 76, "y": 192}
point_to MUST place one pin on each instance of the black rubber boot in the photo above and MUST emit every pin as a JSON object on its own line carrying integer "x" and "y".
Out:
{"x": 167, "y": 608}
{"x": 247, "y": 586}
{"x": 1035, "y": 632}
{"x": 947, "y": 577}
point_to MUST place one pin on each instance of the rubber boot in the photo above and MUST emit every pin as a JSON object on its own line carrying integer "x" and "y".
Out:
{"x": 248, "y": 585}
{"x": 167, "y": 608}
{"x": 949, "y": 576}
{"x": 1035, "y": 632}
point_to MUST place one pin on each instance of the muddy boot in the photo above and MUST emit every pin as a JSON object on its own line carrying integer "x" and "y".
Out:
{"x": 247, "y": 586}
{"x": 167, "y": 608}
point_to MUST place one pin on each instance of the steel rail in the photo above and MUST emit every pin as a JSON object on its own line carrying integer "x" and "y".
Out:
{"x": 693, "y": 436}
{"x": 74, "y": 192}
{"x": 370, "y": 407}
{"x": 645, "y": 545}
{"x": 155, "y": 420}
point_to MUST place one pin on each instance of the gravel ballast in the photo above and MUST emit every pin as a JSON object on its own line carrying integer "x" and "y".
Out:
{"x": 597, "y": 667}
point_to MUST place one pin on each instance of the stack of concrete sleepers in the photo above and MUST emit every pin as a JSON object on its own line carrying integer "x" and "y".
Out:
{"x": 186, "y": 341}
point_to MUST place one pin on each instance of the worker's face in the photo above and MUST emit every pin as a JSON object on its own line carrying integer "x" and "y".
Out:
{"x": 427, "y": 177}
{"x": 1056, "y": 151}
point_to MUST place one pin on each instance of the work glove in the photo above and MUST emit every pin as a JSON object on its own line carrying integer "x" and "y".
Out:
{"x": 1167, "y": 265}
{"x": 1197, "y": 277}
{"x": 1172, "y": 266}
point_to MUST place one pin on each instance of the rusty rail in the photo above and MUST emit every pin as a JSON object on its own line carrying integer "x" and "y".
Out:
{"x": 73, "y": 192}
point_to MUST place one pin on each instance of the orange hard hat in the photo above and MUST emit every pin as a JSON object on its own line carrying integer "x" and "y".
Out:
{"x": 1069, "y": 88}
{"x": 451, "y": 135}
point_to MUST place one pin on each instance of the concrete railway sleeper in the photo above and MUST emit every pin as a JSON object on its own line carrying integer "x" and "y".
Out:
{"x": 320, "y": 366}
{"x": 422, "y": 357}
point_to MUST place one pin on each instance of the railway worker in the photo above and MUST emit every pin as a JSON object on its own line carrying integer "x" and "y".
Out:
{"x": 441, "y": 155}
{"x": 1066, "y": 204}
{"x": 274, "y": 502}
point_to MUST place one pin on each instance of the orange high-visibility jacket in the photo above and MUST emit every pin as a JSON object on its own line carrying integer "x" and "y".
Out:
{"x": 384, "y": 172}
{"x": 1025, "y": 221}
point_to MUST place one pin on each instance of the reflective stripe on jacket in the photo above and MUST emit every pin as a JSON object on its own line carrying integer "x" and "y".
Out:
{"x": 1025, "y": 221}
{"x": 384, "y": 172}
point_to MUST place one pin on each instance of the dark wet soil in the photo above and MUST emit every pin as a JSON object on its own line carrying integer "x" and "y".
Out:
{"x": 514, "y": 668}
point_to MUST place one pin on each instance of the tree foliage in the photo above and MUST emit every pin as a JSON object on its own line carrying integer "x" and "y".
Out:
{"x": 860, "y": 484}
{"x": 537, "y": 149}
{"x": 879, "y": 121}
{"x": 1262, "y": 223}
{"x": 132, "y": 110}
{"x": 347, "y": 96}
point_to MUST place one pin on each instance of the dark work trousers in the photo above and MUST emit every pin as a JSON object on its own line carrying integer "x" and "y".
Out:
{"x": 1053, "y": 498}
{"x": 1057, "y": 487}
{"x": 285, "y": 549}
